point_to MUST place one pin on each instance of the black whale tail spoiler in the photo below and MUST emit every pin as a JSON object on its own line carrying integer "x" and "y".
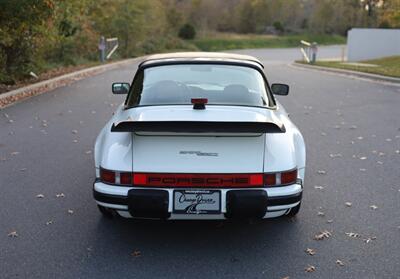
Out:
{"x": 198, "y": 127}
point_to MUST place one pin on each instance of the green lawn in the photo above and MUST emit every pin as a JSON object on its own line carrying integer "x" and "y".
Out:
{"x": 221, "y": 41}
{"x": 388, "y": 66}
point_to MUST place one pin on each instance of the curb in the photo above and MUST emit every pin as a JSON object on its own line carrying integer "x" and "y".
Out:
{"x": 373, "y": 77}
{"x": 11, "y": 97}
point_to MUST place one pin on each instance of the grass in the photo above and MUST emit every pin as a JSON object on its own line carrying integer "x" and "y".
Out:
{"x": 388, "y": 66}
{"x": 221, "y": 41}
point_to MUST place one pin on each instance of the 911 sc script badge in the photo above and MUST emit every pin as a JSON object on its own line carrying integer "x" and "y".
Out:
{"x": 197, "y": 202}
{"x": 199, "y": 153}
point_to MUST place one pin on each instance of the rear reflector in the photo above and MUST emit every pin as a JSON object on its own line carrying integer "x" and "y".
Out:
{"x": 197, "y": 180}
{"x": 107, "y": 176}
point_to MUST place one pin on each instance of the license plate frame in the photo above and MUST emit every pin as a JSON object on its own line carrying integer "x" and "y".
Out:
{"x": 196, "y": 202}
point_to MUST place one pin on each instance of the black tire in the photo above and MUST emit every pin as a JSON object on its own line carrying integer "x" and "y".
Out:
{"x": 106, "y": 212}
{"x": 294, "y": 210}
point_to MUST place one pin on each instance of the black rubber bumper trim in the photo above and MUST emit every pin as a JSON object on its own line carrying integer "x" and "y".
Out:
{"x": 284, "y": 200}
{"x": 107, "y": 198}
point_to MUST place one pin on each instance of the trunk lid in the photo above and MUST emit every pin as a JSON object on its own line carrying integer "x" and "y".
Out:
{"x": 189, "y": 152}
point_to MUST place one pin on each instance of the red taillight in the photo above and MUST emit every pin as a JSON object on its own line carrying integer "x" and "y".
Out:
{"x": 280, "y": 178}
{"x": 289, "y": 177}
{"x": 256, "y": 180}
{"x": 270, "y": 179}
{"x": 139, "y": 179}
{"x": 125, "y": 178}
{"x": 107, "y": 176}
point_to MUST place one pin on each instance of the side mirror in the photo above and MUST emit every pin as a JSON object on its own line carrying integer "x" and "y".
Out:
{"x": 120, "y": 88}
{"x": 280, "y": 89}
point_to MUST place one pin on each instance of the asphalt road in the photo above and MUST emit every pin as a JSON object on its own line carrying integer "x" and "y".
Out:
{"x": 352, "y": 131}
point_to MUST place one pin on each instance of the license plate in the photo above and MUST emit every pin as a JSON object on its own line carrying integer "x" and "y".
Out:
{"x": 197, "y": 202}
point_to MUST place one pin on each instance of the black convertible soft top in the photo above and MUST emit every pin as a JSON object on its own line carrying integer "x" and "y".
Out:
{"x": 201, "y": 57}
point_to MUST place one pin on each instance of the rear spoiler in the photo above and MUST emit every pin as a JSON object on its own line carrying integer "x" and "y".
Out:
{"x": 198, "y": 127}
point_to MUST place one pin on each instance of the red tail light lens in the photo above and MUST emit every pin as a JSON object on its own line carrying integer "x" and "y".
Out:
{"x": 289, "y": 177}
{"x": 270, "y": 179}
{"x": 256, "y": 180}
{"x": 125, "y": 178}
{"x": 107, "y": 176}
{"x": 139, "y": 179}
{"x": 280, "y": 178}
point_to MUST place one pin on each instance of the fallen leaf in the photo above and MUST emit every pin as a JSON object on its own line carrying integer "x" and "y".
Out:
{"x": 310, "y": 251}
{"x": 335, "y": 155}
{"x": 322, "y": 235}
{"x": 13, "y": 234}
{"x": 373, "y": 207}
{"x": 310, "y": 268}
{"x": 354, "y": 235}
{"x": 369, "y": 239}
{"x": 40, "y": 196}
{"x": 320, "y": 213}
{"x": 339, "y": 263}
{"x": 348, "y": 204}
{"x": 136, "y": 253}
{"x": 61, "y": 195}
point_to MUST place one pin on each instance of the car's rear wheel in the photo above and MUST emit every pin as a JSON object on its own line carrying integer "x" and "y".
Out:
{"x": 294, "y": 210}
{"x": 107, "y": 212}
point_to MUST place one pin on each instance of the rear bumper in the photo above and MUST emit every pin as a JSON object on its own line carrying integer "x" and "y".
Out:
{"x": 157, "y": 202}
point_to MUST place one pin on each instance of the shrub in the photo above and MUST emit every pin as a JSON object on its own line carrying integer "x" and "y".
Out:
{"x": 187, "y": 32}
{"x": 278, "y": 26}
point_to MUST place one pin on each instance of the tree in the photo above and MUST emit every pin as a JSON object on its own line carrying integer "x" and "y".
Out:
{"x": 20, "y": 30}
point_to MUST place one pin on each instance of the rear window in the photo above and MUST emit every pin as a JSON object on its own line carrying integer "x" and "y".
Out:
{"x": 178, "y": 84}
